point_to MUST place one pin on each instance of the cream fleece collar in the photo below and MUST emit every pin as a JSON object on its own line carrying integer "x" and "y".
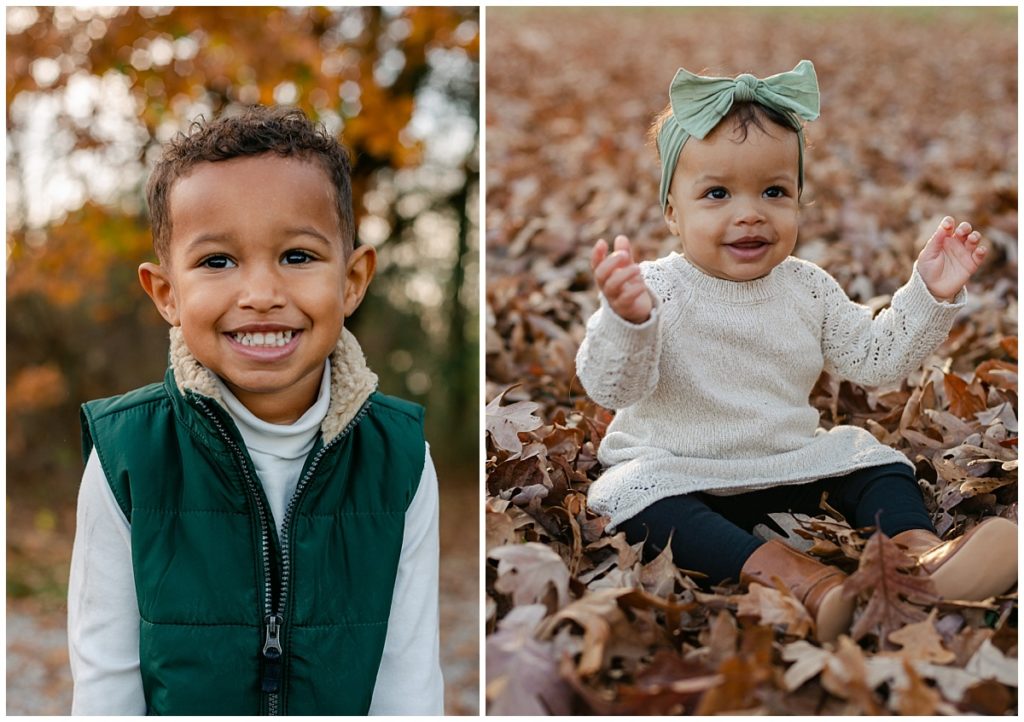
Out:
{"x": 352, "y": 381}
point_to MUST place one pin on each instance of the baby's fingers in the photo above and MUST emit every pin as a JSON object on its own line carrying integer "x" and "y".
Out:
{"x": 622, "y": 244}
{"x": 599, "y": 253}
{"x": 634, "y": 301}
{"x": 616, "y": 282}
{"x": 936, "y": 243}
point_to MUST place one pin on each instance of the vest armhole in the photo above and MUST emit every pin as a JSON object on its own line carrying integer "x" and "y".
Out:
{"x": 418, "y": 477}
{"x": 88, "y": 445}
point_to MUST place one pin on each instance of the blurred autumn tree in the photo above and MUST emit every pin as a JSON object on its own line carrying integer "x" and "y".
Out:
{"x": 92, "y": 94}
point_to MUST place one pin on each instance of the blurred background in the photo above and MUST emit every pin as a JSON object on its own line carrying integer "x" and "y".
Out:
{"x": 91, "y": 96}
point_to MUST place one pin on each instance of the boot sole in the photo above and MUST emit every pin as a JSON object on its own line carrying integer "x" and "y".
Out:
{"x": 985, "y": 565}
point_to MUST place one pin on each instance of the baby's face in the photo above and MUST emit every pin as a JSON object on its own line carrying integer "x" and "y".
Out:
{"x": 257, "y": 277}
{"x": 733, "y": 204}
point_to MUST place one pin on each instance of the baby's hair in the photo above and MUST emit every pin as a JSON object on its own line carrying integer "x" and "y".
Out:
{"x": 255, "y": 131}
{"x": 745, "y": 113}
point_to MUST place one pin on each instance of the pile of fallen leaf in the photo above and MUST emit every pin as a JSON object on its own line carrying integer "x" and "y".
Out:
{"x": 577, "y": 623}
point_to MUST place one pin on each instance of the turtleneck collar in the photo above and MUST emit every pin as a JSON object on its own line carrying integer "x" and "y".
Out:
{"x": 285, "y": 441}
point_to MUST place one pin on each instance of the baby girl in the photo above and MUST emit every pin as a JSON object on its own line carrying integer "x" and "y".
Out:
{"x": 709, "y": 356}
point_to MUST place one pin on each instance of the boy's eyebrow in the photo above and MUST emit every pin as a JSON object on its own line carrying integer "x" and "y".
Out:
{"x": 208, "y": 237}
{"x": 307, "y": 231}
{"x": 216, "y": 237}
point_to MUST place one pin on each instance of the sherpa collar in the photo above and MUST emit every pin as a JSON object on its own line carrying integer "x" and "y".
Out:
{"x": 352, "y": 381}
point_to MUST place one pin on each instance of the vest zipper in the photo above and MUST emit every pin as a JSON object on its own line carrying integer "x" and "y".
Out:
{"x": 273, "y": 622}
{"x": 270, "y": 684}
{"x": 294, "y": 502}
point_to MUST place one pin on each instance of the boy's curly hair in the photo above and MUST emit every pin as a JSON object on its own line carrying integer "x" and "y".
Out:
{"x": 259, "y": 129}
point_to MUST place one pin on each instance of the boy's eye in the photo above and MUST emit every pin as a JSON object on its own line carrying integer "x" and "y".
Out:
{"x": 217, "y": 262}
{"x": 296, "y": 256}
{"x": 717, "y": 193}
{"x": 775, "y": 192}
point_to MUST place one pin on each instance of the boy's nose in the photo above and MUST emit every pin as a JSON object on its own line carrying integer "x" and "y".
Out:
{"x": 261, "y": 290}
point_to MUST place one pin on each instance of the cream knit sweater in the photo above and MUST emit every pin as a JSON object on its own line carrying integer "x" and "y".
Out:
{"x": 712, "y": 392}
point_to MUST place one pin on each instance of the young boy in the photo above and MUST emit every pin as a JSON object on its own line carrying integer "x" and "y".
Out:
{"x": 258, "y": 533}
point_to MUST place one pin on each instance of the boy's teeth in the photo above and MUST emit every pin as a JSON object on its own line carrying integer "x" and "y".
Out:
{"x": 278, "y": 338}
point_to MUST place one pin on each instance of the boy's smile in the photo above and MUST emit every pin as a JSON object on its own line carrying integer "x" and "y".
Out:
{"x": 733, "y": 204}
{"x": 257, "y": 277}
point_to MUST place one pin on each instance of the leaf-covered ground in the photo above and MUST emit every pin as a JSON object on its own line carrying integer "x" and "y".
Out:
{"x": 918, "y": 121}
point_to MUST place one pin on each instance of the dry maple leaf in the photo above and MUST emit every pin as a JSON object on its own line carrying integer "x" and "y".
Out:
{"x": 596, "y": 613}
{"x": 808, "y": 659}
{"x": 965, "y": 400}
{"x": 742, "y": 675}
{"x": 522, "y": 673}
{"x": 914, "y": 697}
{"x": 527, "y": 571}
{"x": 720, "y": 640}
{"x": 921, "y": 642}
{"x": 883, "y": 574}
{"x": 846, "y": 676}
{"x": 669, "y": 685}
{"x": 505, "y": 422}
{"x": 773, "y": 606}
{"x": 660, "y": 575}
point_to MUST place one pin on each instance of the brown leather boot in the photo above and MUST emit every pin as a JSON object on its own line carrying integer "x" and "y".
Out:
{"x": 817, "y": 586}
{"x": 972, "y": 567}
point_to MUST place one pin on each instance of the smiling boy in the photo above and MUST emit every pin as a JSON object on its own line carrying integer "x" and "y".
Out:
{"x": 258, "y": 533}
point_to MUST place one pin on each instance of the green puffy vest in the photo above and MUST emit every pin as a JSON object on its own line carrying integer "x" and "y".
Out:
{"x": 235, "y": 620}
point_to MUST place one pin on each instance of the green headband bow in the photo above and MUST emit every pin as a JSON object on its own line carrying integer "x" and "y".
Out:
{"x": 699, "y": 103}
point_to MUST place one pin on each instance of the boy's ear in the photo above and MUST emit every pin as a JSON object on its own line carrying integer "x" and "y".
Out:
{"x": 362, "y": 263}
{"x": 156, "y": 282}
{"x": 670, "y": 216}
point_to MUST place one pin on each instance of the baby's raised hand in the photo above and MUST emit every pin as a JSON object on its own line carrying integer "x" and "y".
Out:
{"x": 620, "y": 281}
{"x": 949, "y": 258}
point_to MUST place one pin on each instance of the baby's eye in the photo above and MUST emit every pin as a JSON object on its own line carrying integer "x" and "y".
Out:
{"x": 296, "y": 256}
{"x": 775, "y": 192}
{"x": 217, "y": 262}
{"x": 718, "y": 193}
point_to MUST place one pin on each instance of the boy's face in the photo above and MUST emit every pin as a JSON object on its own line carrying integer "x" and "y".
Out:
{"x": 257, "y": 278}
{"x": 733, "y": 204}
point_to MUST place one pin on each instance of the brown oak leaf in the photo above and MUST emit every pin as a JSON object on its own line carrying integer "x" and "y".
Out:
{"x": 914, "y": 697}
{"x": 965, "y": 400}
{"x": 846, "y": 675}
{"x": 669, "y": 685}
{"x": 504, "y": 423}
{"x": 595, "y": 613}
{"x": 883, "y": 574}
{"x": 527, "y": 571}
{"x": 772, "y": 606}
{"x": 522, "y": 671}
{"x": 921, "y": 642}
{"x": 808, "y": 659}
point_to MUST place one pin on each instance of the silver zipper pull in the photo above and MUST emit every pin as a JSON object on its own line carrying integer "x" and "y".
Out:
{"x": 272, "y": 645}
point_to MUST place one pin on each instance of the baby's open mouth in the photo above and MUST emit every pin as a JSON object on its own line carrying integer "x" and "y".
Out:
{"x": 749, "y": 243}
{"x": 268, "y": 338}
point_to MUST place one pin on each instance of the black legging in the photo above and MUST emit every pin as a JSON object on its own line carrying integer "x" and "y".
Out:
{"x": 712, "y": 534}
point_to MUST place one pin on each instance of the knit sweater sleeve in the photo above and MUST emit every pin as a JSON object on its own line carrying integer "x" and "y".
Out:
{"x": 617, "y": 362}
{"x": 883, "y": 349}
